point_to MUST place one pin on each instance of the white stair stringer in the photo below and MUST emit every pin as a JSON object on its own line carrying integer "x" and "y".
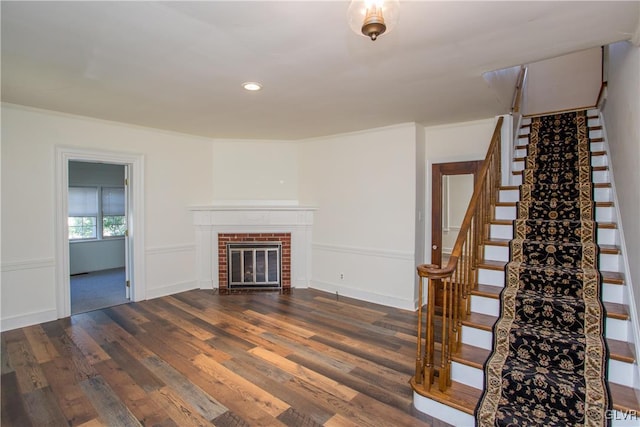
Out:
{"x": 619, "y": 372}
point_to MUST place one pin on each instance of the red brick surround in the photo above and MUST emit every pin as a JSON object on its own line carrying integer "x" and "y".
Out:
{"x": 283, "y": 238}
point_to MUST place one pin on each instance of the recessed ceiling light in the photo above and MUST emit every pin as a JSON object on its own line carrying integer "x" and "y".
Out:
{"x": 252, "y": 86}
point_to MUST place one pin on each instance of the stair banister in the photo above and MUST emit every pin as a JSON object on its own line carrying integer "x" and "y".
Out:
{"x": 457, "y": 278}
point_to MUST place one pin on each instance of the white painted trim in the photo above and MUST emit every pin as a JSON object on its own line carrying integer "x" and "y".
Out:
{"x": 381, "y": 253}
{"x": 170, "y": 249}
{"x": 258, "y": 206}
{"x": 507, "y": 143}
{"x": 136, "y": 227}
{"x": 635, "y": 38}
{"x": 634, "y": 330}
{"x": 442, "y": 412}
{"x": 256, "y": 203}
{"x": 30, "y": 264}
{"x": 171, "y": 289}
{"x": 22, "y": 320}
{"x": 363, "y": 295}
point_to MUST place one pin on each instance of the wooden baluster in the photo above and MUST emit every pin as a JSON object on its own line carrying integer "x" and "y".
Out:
{"x": 419, "y": 366}
{"x": 430, "y": 344}
{"x": 442, "y": 381}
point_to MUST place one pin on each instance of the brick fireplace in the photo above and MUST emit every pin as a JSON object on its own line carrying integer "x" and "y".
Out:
{"x": 254, "y": 240}
{"x": 288, "y": 226}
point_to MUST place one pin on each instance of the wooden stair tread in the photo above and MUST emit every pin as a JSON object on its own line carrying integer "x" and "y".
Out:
{"x": 598, "y": 204}
{"x": 497, "y": 242}
{"x": 481, "y": 321}
{"x": 598, "y": 153}
{"x": 492, "y": 265}
{"x": 624, "y": 398}
{"x": 609, "y": 249}
{"x": 602, "y": 185}
{"x": 476, "y": 356}
{"x": 459, "y": 396}
{"x": 616, "y": 310}
{"x": 471, "y": 356}
{"x": 609, "y": 225}
{"x": 593, "y": 169}
{"x": 621, "y": 350}
{"x": 487, "y": 291}
{"x": 465, "y": 398}
{"x": 612, "y": 277}
{"x": 509, "y": 187}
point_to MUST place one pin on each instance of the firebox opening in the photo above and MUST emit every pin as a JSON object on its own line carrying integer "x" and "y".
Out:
{"x": 254, "y": 264}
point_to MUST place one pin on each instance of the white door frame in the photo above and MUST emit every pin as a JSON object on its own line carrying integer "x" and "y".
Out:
{"x": 135, "y": 163}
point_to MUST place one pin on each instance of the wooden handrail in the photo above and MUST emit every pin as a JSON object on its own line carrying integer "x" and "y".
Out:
{"x": 457, "y": 278}
{"x": 601, "y": 96}
{"x": 517, "y": 95}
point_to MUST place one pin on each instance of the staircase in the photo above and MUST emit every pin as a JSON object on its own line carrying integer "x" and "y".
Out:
{"x": 456, "y": 404}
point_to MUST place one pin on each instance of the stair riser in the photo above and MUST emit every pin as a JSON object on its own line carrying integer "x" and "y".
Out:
{"x": 618, "y": 372}
{"x": 603, "y": 214}
{"x": 610, "y": 292}
{"x": 607, "y": 262}
{"x": 596, "y": 160}
{"x": 604, "y": 236}
{"x": 615, "y": 329}
{"x": 485, "y": 305}
{"x": 594, "y": 146}
{"x": 467, "y": 375}
{"x": 599, "y": 195}
{"x": 598, "y": 177}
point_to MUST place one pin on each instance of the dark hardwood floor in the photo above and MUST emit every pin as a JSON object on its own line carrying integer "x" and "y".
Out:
{"x": 198, "y": 358}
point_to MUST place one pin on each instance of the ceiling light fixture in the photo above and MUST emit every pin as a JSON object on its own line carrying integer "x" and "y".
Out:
{"x": 252, "y": 86}
{"x": 373, "y": 18}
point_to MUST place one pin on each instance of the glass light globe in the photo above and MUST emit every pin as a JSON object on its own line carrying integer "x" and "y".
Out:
{"x": 372, "y": 18}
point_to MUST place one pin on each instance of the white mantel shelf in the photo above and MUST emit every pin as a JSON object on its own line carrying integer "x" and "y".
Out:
{"x": 253, "y": 208}
{"x": 209, "y": 221}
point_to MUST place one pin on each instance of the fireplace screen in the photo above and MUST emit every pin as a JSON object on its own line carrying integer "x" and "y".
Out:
{"x": 254, "y": 264}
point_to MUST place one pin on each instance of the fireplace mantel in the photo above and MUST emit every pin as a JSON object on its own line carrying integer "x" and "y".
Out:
{"x": 210, "y": 221}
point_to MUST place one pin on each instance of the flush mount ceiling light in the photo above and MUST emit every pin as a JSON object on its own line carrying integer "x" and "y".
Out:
{"x": 373, "y": 18}
{"x": 251, "y": 86}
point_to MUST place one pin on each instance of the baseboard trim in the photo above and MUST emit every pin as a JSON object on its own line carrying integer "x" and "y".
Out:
{"x": 386, "y": 300}
{"x": 23, "y": 320}
{"x": 171, "y": 289}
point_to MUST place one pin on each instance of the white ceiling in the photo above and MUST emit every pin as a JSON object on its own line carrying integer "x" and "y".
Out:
{"x": 179, "y": 65}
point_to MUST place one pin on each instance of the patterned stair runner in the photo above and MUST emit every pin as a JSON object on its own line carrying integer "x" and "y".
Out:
{"x": 549, "y": 358}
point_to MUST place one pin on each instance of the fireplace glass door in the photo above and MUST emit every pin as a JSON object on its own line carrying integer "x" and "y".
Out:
{"x": 254, "y": 264}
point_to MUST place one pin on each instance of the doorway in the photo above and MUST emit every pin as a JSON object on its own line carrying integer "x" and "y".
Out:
{"x": 97, "y": 217}
{"x": 452, "y": 187}
{"x": 133, "y": 165}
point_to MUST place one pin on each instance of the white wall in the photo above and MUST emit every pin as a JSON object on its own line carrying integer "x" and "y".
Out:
{"x": 455, "y": 142}
{"x": 364, "y": 185}
{"x": 622, "y": 121}
{"x": 261, "y": 171}
{"x": 101, "y": 254}
{"x": 566, "y": 82}
{"x": 177, "y": 175}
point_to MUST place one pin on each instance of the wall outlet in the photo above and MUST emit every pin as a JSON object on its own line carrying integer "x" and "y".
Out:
{"x": 341, "y": 276}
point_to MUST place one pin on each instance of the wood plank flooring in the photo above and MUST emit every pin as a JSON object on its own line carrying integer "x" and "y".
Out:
{"x": 199, "y": 358}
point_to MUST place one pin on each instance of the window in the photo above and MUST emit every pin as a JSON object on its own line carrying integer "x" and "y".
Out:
{"x": 113, "y": 220}
{"x": 83, "y": 213}
{"x": 96, "y": 212}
